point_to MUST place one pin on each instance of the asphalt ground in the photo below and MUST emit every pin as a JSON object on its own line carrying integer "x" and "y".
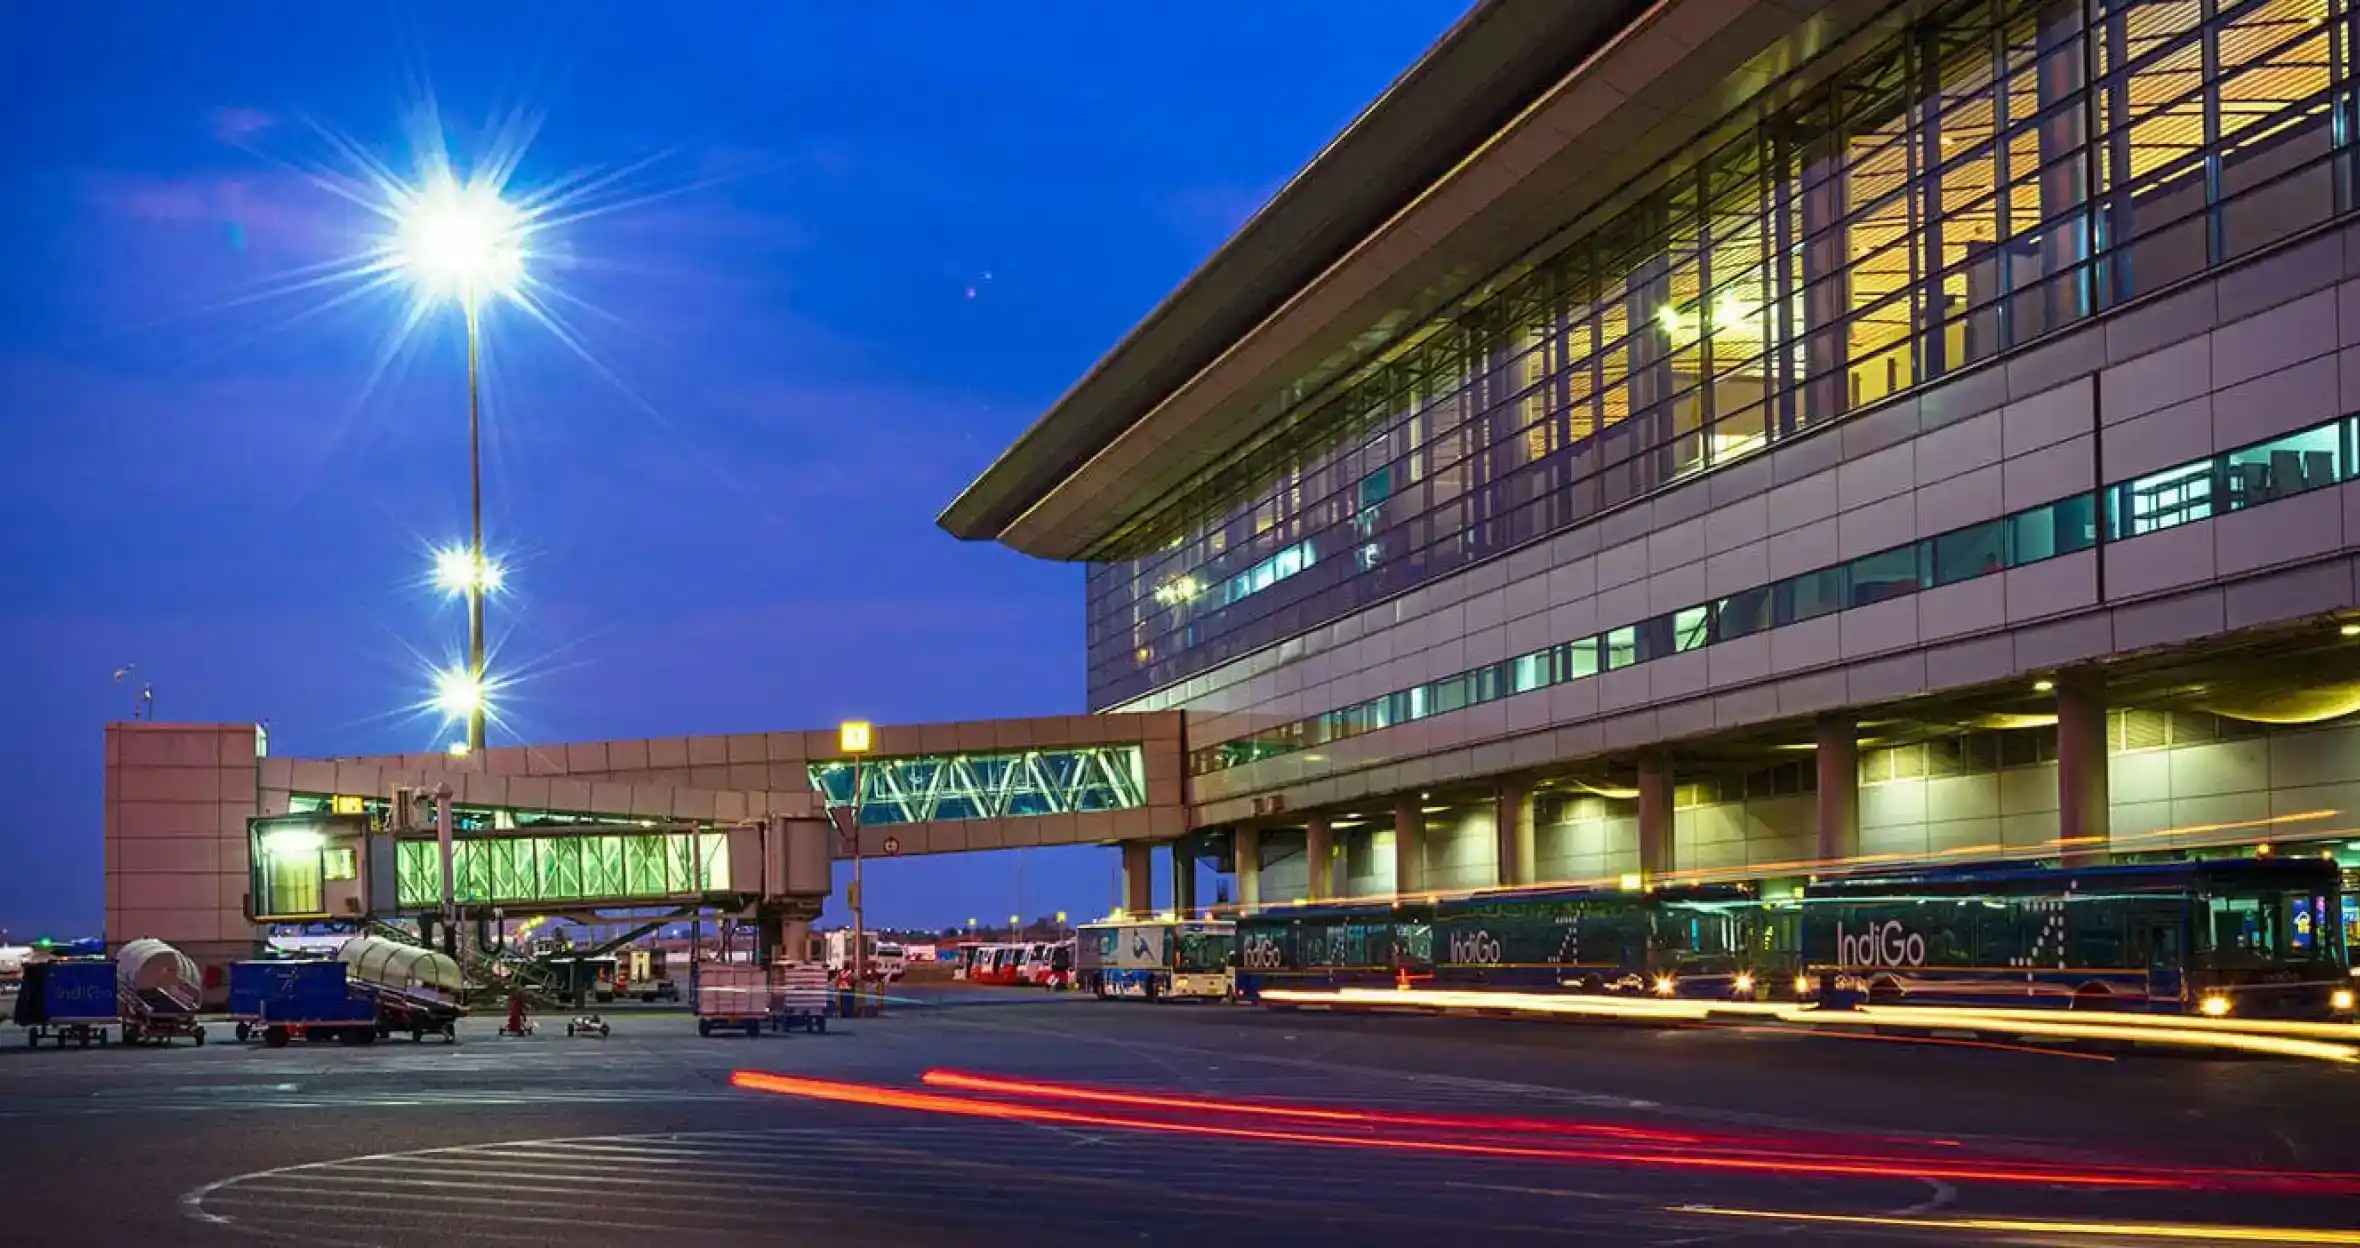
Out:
{"x": 1423, "y": 1129}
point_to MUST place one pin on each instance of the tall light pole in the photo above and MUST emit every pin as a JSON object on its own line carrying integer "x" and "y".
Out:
{"x": 464, "y": 243}
{"x": 475, "y": 583}
{"x": 853, "y": 736}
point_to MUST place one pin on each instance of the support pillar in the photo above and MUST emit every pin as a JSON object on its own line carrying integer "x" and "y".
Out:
{"x": 1183, "y": 877}
{"x": 1655, "y": 815}
{"x": 2082, "y": 817}
{"x": 1319, "y": 851}
{"x": 794, "y": 939}
{"x": 1409, "y": 845}
{"x": 1245, "y": 845}
{"x": 1512, "y": 825}
{"x": 1138, "y": 878}
{"x": 1837, "y": 738}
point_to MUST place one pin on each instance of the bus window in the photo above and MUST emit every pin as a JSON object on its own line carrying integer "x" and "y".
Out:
{"x": 2096, "y": 927}
{"x": 1202, "y": 951}
{"x": 2246, "y": 931}
{"x": 1413, "y": 944}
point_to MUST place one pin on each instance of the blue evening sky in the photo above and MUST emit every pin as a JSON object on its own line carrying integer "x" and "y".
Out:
{"x": 889, "y": 236}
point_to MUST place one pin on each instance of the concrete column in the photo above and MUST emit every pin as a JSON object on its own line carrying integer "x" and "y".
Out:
{"x": 794, "y": 938}
{"x": 1838, "y": 740}
{"x": 1655, "y": 814}
{"x": 1138, "y": 878}
{"x": 1512, "y": 821}
{"x": 2081, "y": 772}
{"x": 1183, "y": 877}
{"x": 1319, "y": 850}
{"x": 1245, "y": 845}
{"x": 1409, "y": 845}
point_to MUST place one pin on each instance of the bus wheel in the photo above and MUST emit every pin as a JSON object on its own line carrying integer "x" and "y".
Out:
{"x": 2093, "y": 997}
{"x": 1885, "y": 990}
{"x": 275, "y": 1037}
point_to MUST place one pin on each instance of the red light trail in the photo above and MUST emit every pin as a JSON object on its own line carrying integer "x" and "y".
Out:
{"x": 1509, "y": 1139}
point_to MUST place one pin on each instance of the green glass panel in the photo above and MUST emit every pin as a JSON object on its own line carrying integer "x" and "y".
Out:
{"x": 716, "y": 854}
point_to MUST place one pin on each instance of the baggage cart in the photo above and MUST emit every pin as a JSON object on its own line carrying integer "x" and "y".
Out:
{"x": 68, "y": 999}
{"x": 248, "y": 981}
{"x": 311, "y": 1000}
{"x": 799, "y": 997}
{"x": 413, "y": 988}
{"x": 158, "y": 992}
{"x": 731, "y": 996}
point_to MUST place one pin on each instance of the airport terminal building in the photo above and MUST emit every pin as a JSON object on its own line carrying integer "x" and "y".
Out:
{"x": 1726, "y": 438}
{"x": 1704, "y": 439}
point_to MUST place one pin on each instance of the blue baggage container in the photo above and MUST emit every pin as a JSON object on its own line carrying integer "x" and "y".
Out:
{"x": 304, "y": 998}
{"x": 248, "y": 981}
{"x": 67, "y": 1000}
{"x": 78, "y": 992}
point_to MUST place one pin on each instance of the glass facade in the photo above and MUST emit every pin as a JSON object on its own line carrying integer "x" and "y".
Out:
{"x": 2233, "y": 480}
{"x": 988, "y": 785}
{"x": 522, "y": 870}
{"x": 1998, "y": 172}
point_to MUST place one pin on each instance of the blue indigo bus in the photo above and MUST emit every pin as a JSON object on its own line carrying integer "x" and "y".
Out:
{"x": 1709, "y": 940}
{"x": 2250, "y": 937}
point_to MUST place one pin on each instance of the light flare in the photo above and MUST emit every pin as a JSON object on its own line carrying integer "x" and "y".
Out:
{"x": 460, "y": 241}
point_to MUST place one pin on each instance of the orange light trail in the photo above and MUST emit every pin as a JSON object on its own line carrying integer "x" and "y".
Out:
{"x": 1956, "y": 1171}
{"x": 1361, "y": 1117}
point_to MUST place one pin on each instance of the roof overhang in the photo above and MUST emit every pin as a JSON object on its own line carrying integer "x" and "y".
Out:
{"x": 1371, "y": 239}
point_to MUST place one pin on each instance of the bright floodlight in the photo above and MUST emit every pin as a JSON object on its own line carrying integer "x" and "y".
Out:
{"x": 456, "y": 570}
{"x": 457, "y": 693}
{"x": 461, "y": 242}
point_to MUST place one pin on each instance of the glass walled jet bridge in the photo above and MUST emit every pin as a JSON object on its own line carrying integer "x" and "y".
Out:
{"x": 317, "y": 864}
{"x": 925, "y": 787}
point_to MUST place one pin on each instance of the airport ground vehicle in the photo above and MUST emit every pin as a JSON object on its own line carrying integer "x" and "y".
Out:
{"x": 412, "y": 988}
{"x": 732, "y": 996}
{"x": 585, "y": 980}
{"x": 996, "y": 964}
{"x": 1709, "y": 940}
{"x": 67, "y": 999}
{"x": 643, "y": 978}
{"x": 886, "y": 961}
{"x": 158, "y": 991}
{"x": 2245, "y": 936}
{"x": 2253, "y": 937}
{"x": 1156, "y": 959}
{"x": 588, "y": 1025}
{"x": 311, "y": 999}
{"x": 1049, "y": 965}
{"x": 798, "y": 997}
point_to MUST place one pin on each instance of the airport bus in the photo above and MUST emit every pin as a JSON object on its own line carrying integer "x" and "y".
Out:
{"x": 1156, "y": 959}
{"x": 2260, "y": 937}
{"x": 1703, "y": 941}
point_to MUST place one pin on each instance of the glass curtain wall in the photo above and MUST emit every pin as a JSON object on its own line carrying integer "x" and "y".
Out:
{"x": 2000, "y": 172}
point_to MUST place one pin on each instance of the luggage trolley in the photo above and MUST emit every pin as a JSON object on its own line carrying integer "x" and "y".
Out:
{"x": 69, "y": 999}
{"x": 799, "y": 997}
{"x": 414, "y": 989}
{"x": 158, "y": 993}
